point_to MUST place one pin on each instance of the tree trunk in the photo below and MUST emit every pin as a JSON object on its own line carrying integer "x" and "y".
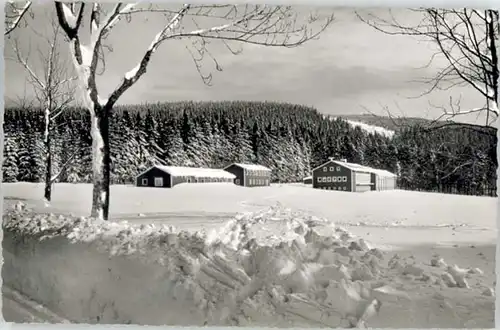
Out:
{"x": 48, "y": 157}
{"x": 100, "y": 162}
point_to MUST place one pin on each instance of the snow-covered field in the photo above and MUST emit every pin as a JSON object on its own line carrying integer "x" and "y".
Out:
{"x": 408, "y": 226}
{"x": 387, "y": 217}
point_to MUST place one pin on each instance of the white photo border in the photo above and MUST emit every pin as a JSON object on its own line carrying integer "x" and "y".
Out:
{"x": 351, "y": 3}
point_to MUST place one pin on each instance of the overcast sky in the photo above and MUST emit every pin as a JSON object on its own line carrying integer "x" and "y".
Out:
{"x": 349, "y": 70}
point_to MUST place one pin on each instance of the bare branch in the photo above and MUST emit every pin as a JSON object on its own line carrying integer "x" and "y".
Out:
{"x": 24, "y": 62}
{"x": 465, "y": 38}
{"x": 272, "y": 26}
{"x": 15, "y": 15}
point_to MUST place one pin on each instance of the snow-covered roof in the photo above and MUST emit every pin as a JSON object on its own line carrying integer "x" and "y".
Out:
{"x": 251, "y": 167}
{"x": 360, "y": 168}
{"x": 383, "y": 173}
{"x": 308, "y": 178}
{"x": 353, "y": 166}
{"x": 197, "y": 172}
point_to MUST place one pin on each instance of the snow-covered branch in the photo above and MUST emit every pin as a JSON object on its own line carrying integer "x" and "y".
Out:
{"x": 109, "y": 22}
{"x": 133, "y": 75}
{"x": 255, "y": 24}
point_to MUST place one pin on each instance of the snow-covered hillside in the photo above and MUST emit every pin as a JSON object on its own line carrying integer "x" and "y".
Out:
{"x": 368, "y": 128}
{"x": 371, "y": 128}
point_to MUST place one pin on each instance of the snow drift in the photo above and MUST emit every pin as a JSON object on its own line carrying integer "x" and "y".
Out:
{"x": 275, "y": 267}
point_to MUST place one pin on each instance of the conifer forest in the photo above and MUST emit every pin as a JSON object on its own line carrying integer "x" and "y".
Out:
{"x": 290, "y": 139}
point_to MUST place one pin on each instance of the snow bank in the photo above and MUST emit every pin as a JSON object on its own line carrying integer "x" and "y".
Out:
{"x": 270, "y": 268}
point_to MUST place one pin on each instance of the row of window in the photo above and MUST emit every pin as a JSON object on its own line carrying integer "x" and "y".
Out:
{"x": 332, "y": 169}
{"x": 332, "y": 179}
{"x": 260, "y": 182}
{"x": 334, "y": 188}
{"x": 158, "y": 181}
{"x": 210, "y": 180}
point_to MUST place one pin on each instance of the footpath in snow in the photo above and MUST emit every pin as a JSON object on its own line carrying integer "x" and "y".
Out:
{"x": 274, "y": 267}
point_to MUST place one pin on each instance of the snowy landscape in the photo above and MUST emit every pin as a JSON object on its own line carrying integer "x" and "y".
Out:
{"x": 219, "y": 168}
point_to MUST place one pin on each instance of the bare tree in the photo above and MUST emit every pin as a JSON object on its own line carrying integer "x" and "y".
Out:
{"x": 467, "y": 39}
{"x": 54, "y": 89}
{"x": 15, "y": 12}
{"x": 256, "y": 24}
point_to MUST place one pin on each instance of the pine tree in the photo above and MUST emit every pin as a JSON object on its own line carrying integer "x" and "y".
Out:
{"x": 10, "y": 160}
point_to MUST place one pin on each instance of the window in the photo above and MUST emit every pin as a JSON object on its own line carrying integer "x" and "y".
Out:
{"x": 267, "y": 182}
{"x": 334, "y": 188}
{"x": 145, "y": 182}
{"x": 331, "y": 168}
{"x": 334, "y": 179}
{"x": 158, "y": 182}
{"x": 328, "y": 179}
{"x": 344, "y": 179}
{"x": 237, "y": 181}
{"x": 325, "y": 169}
{"x": 344, "y": 188}
{"x": 189, "y": 180}
{"x": 320, "y": 179}
{"x": 338, "y": 168}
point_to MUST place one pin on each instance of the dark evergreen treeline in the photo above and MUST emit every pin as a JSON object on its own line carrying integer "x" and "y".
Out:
{"x": 290, "y": 139}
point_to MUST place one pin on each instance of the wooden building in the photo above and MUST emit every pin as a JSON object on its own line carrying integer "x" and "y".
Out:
{"x": 169, "y": 176}
{"x": 250, "y": 175}
{"x": 344, "y": 176}
{"x": 307, "y": 180}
